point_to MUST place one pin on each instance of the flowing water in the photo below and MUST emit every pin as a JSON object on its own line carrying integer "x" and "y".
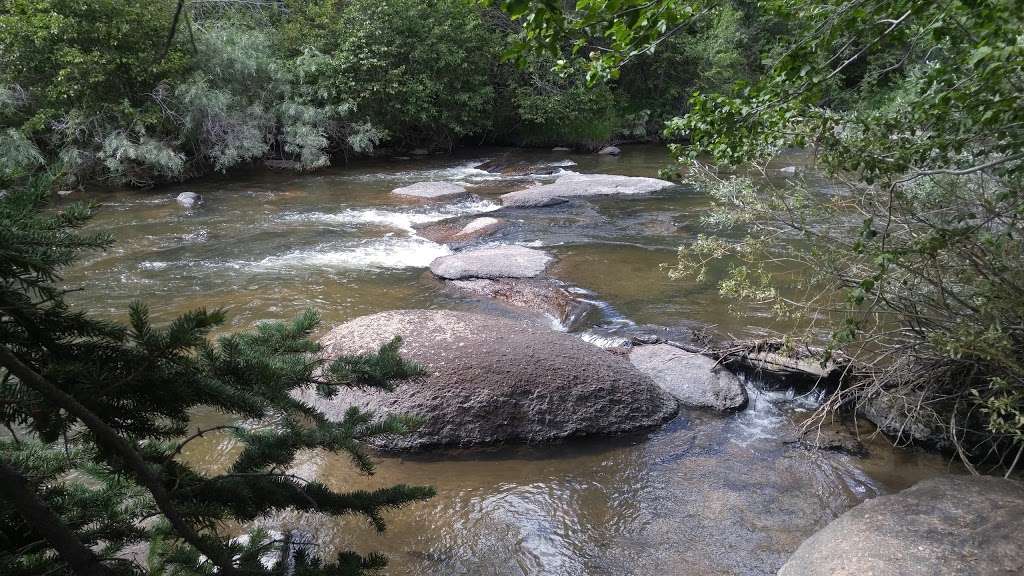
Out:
{"x": 704, "y": 494}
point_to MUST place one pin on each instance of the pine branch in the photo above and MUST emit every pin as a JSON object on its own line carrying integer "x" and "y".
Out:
{"x": 109, "y": 439}
{"x": 15, "y": 489}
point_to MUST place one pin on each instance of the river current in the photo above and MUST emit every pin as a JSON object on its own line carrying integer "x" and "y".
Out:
{"x": 705, "y": 494}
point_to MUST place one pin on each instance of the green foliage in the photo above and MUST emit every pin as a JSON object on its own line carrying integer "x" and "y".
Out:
{"x": 419, "y": 70}
{"x": 98, "y": 413}
{"x": 88, "y": 55}
{"x": 914, "y": 107}
{"x": 910, "y": 102}
{"x": 553, "y": 110}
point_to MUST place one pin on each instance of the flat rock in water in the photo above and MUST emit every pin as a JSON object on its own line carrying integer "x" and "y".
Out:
{"x": 493, "y": 380}
{"x": 537, "y": 294}
{"x": 512, "y": 167}
{"x": 431, "y": 190}
{"x": 610, "y": 151}
{"x": 458, "y": 232}
{"x": 493, "y": 262}
{"x": 576, "y": 185}
{"x": 692, "y": 378}
{"x": 950, "y": 525}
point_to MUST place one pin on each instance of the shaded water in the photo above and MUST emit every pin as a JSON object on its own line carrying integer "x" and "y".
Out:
{"x": 703, "y": 495}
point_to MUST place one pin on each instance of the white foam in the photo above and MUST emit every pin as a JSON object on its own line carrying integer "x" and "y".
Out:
{"x": 379, "y": 253}
{"x": 604, "y": 340}
{"x": 401, "y": 220}
{"x": 764, "y": 415}
{"x": 466, "y": 171}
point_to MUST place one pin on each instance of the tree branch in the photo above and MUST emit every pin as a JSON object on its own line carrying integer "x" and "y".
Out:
{"x": 14, "y": 488}
{"x": 111, "y": 440}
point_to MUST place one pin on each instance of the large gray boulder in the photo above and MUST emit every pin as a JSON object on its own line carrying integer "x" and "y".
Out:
{"x": 431, "y": 190}
{"x": 610, "y": 151}
{"x": 692, "y": 378}
{"x": 494, "y": 380}
{"x": 576, "y": 185}
{"x": 950, "y": 525}
{"x": 509, "y": 261}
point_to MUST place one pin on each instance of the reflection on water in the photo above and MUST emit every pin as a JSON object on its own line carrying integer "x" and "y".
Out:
{"x": 705, "y": 494}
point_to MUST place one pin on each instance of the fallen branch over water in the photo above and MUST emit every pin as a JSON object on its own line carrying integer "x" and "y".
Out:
{"x": 776, "y": 358}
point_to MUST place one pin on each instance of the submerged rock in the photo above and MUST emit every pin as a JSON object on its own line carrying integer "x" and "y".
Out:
{"x": 561, "y": 149}
{"x": 833, "y": 436}
{"x": 692, "y": 378}
{"x": 493, "y": 380}
{"x": 431, "y": 190}
{"x": 573, "y": 185}
{"x": 537, "y": 294}
{"x": 189, "y": 199}
{"x": 509, "y": 261}
{"x": 610, "y": 151}
{"x": 951, "y": 525}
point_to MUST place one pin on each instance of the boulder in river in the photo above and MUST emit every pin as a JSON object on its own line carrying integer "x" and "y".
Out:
{"x": 950, "y": 525}
{"x": 610, "y": 151}
{"x": 431, "y": 190}
{"x": 512, "y": 167}
{"x": 493, "y": 380}
{"x": 189, "y": 199}
{"x": 537, "y": 294}
{"x": 692, "y": 378}
{"x": 458, "y": 232}
{"x": 574, "y": 185}
{"x": 509, "y": 261}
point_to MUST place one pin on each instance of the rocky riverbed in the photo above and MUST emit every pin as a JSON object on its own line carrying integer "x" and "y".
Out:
{"x": 568, "y": 435}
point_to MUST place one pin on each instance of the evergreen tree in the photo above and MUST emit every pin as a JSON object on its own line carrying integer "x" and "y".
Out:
{"x": 97, "y": 414}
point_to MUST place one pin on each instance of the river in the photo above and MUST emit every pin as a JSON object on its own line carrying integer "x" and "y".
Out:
{"x": 705, "y": 494}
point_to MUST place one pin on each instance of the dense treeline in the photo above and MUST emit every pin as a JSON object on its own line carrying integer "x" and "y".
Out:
{"x": 140, "y": 92}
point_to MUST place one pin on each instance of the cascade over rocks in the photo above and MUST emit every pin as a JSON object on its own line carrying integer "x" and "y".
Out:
{"x": 431, "y": 190}
{"x": 509, "y": 261}
{"x": 950, "y": 525}
{"x": 578, "y": 185}
{"x": 692, "y": 378}
{"x": 493, "y": 380}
